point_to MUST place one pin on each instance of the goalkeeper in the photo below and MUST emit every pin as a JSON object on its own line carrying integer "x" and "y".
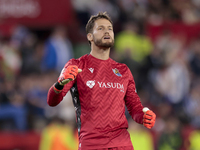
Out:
{"x": 100, "y": 88}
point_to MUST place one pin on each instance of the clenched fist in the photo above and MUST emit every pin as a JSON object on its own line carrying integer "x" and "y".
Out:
{"x": 68, "y": 74}
{"x": 149, "y": 118}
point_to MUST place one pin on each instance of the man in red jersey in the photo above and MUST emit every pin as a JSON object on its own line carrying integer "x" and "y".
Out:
{"x": 100, "y": 89}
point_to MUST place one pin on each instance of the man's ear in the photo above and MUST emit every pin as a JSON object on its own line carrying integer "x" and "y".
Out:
{"x": 90, "y": 37}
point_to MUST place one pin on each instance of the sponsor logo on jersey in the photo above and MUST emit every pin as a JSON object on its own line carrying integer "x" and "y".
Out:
{"x": 91, "y": 69}
{"x": 116, "y": 71}
{"x": 90, "y": 83}
{"x": 111, "y": 85}
{"x": 107, "y": 85}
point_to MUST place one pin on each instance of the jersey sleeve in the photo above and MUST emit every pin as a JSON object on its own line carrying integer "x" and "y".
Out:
{"x": 53, "y": 98}
{"x": 133, "y": 102}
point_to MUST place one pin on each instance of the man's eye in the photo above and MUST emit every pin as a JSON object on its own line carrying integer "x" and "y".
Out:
{"x": 110, "y": 29}
{"x": 100, "y": 28}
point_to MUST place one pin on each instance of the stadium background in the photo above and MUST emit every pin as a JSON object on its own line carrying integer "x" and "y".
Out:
{"x": 159, "y": 40}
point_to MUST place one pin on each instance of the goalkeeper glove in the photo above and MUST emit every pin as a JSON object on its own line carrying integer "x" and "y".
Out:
{"x": 149, "y": 118}
{"x": 67, "y": 74}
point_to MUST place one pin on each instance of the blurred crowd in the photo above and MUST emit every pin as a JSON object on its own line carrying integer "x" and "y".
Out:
{"x": 166, "y": 71}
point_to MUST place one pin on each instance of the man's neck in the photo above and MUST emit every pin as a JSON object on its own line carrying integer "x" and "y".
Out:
{"x": 100, "y": 53}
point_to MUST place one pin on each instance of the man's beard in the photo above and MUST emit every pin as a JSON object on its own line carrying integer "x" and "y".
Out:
{"x": 100, "y": 43}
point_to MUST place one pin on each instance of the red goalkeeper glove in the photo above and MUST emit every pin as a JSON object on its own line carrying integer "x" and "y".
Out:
{"x": 68, "y": 74}
{"x": 149, "y": 118}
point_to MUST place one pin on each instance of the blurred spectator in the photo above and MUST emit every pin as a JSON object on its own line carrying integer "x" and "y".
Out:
{"x": 168, "y": 41}
{"x": 172, "y": 79}
{"x": 19, "y": 34}
{"x": 194, "y": 139}
{"x": 36, "y": 95}
{"x": 58, "y": 50}
{"x": 194, "y": 59}
{"x": 31, "y": 53}
{"x": 189, "y": 13}
{"x": 81, "y": 8}
{"x": 170, "y": 138}
{"x": 129, "y": 42}
{"x": 141, "y": 138}
{"x": 59, "y": 135}
{"x": 65, "y": 110}
{"x": 10, "y": 60}
{"x": 192, "y": 104}
{"x": 133, "y": 9}
{"x": 85, "y": 8}
{"x": 104, "y": 5}
{"x": 13, "y": 112}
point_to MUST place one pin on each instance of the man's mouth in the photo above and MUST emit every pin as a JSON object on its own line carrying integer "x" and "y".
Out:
{"x": 106, "y": 37}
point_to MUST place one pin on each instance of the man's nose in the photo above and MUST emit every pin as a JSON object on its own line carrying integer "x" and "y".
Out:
{"x": 107, "y": 31}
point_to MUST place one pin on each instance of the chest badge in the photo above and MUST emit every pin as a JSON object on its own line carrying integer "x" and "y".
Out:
{"x": 116, "y": 72}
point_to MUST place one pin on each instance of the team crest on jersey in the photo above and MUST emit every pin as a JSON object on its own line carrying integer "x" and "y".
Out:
{"x": 116, "y": 71}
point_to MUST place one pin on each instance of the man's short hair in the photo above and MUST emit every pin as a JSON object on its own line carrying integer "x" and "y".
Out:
{"x": 91, "y": 21}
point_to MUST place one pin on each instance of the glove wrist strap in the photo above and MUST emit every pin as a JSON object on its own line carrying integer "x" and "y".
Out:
{"x": 57, "y": 87}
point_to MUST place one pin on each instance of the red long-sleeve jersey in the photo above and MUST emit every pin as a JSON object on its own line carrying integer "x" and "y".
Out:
{"x": 100, "y": 93}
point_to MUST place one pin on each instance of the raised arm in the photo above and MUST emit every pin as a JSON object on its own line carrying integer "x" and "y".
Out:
{"x": 62, "y": 86}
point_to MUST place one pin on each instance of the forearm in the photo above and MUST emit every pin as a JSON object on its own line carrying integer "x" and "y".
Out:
{"x": 135, "y": 110}
{"x": 133, "y": 102}
{"x": 54, "y": 98}
{"x": 64, "y": 83}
